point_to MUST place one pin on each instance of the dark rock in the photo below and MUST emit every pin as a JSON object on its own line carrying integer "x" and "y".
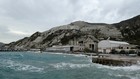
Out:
{"x": 130, "y": 29}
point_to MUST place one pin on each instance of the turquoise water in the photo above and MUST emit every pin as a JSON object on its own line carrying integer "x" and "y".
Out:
{"x": 25, "y": 65}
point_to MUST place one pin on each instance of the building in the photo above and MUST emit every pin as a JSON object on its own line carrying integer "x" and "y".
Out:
{"x": 65, "y": 48}
{"x": 106, "y": 46}
{"x": 88, "y": 42}
{"x": 127, "y": 48}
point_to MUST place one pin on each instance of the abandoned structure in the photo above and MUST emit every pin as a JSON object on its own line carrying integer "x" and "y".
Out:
{"x": 105, "y": 46}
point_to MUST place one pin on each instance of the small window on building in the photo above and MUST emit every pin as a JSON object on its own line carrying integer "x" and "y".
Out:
{"x": 133, "y": 48}
{"x": 120, "y": 47}
{"x": 127, "y": 47}
{"x": 90, "y": 45}
{"x": 81, "y": 42}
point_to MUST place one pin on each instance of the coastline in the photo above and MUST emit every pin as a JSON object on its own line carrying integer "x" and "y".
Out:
{"x": 104, "y": 59}
{"x": 116, "y": 60}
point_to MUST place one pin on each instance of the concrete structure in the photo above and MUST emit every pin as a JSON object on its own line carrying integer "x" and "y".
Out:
{"x": 92, "y": 45}
{"x": 127, "y": 48}
{"x": 67, "y": 48}
{"x": 115, "y": 60}
{"x": 105, "y": 46}
{"x": 89, "y": 44}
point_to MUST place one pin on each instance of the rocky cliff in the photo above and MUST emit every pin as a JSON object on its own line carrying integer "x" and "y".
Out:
{"x": 1, "y": 44}
{"x": 128, "y": 30}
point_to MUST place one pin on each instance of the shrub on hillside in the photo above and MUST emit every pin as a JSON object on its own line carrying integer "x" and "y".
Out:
{"x": 113, "y": 51}
{"x": 139, "y": 53}
{"x": 123, "y": 52}
{"x": 132, "y": 52}
{"x": 86, "y": 50}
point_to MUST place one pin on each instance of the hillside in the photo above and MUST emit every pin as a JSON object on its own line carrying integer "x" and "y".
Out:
{"x": 1, "y": 44}
{"x": 128, "y": 30}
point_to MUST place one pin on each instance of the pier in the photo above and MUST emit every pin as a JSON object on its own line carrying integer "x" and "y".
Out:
{"x": 115, "y": 60}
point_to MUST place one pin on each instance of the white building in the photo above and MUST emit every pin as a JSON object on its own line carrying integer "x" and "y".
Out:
{"x": 66, "y": 48}
{"x": 105, "y": 46}
{"x": 127, "y": 48}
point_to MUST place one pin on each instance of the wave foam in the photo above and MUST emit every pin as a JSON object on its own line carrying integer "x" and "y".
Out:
{"x": 69, "y": 65}
{"x": 125, "y": 68}
{"x": 21, "y": 67}
{"x": 76, "y": 55}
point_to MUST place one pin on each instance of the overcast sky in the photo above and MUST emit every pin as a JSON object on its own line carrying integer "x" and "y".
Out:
{"x": 21, "y": 18}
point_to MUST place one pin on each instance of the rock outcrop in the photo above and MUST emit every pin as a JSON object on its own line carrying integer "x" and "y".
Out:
{"x": 130, "y": 29}
{"x": 1, "y": 44}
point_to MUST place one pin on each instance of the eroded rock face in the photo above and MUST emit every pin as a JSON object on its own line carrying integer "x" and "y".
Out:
{"x": 128, "y": 30}
{"x": 1, "y": 44}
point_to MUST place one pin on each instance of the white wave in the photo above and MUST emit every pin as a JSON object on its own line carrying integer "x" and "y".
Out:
{"x": 135, "y": 77}
{"x": 82, "y": 60}
{"x": 125, "y": 75}
{"x": 125, "y": 68}
{"x": 53, "y": 53}
{"x": 76, "y": 55}
{"x": 21, "y": 55}
{"x": 64, "y": 65}
{"x": 21, "y": 67}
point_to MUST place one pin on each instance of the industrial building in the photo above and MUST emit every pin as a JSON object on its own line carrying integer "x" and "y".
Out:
{"x": 106, "y": 46}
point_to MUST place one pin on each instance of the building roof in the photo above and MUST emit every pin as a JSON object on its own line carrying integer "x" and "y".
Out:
{"x": 130, "y": 45}
{"x": 110, "y": 43}
{"x": 118, "y": 42}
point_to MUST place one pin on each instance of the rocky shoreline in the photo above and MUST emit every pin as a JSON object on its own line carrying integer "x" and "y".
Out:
{"x": 115, "y": 60}
{"x": 104, "y": 59}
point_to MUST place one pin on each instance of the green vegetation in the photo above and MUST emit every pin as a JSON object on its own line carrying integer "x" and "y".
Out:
{"x": 49, "y": 38}
{"x": 34, "y": 36}
{"x": 66, "y": 39}
{"x": 130, "y": 30}
{"x": 113, "y": 51}
{"x": 86, "y": 50}
{"x": 123, "y": 52}
{"x": 132, "y": 52}
{"x": 96, "y": 33}
{"x": 139, "y": 53}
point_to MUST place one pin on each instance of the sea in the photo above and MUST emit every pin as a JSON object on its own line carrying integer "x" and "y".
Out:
{"x": 47, "y": 65}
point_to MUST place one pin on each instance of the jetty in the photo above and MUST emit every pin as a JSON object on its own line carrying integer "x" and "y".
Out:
{"x": 115, "y": 60}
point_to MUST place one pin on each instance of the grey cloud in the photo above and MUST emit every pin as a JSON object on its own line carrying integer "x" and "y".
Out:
{"x": 6, "y": 36}
{"x": 40, "y": 15}
{"x": 120, "y": 9}
{"x": 3, "y": 29}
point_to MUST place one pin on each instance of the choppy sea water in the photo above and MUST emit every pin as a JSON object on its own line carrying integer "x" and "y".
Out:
{"x": 30, "y": 65}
